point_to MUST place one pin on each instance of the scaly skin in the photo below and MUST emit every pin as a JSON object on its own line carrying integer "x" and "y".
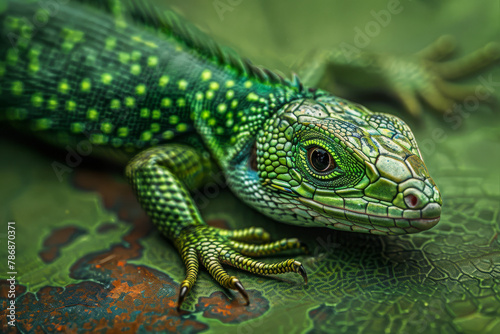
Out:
{"x": 141, "y": 82}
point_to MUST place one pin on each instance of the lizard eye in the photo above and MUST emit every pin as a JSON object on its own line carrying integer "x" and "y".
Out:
{"x": 325, "y": 163}
{"x": 320, "y": 159}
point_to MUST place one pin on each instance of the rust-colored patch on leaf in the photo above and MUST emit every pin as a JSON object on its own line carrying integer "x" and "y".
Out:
{"x": 233, "y": 311}
{"x": 114, "y": 294}
{"x": 58, "y": 239}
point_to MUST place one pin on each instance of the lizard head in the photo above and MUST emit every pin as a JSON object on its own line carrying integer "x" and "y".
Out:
{"x": 334, "y": 163}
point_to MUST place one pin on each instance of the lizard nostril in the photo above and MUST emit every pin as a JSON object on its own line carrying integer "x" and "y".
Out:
{"x": 412, "y": 201}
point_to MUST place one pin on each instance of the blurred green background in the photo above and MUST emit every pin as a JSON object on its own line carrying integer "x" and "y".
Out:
{"x": 445, "y": 280}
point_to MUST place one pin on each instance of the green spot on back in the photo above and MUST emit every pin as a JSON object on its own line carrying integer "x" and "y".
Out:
{"x": 120, "y": 23}
{"x": 116, "y": 142}
{"x": 214, "y": 85}
{"x": 123, "y": 57}
{"x": 34, "y": 65}
{"x": 206, "y": 75}
{"x": 252, "y": 96}
{"x": 144, "y": 112}
{"x": 77, "y": 127}
{"x": 182, "y": 84}
{"x": 92, "y": 114}
{"x": 152, "y": 61}
{"x": 115, "y": 104}
{"x": 146, "y": 135}
{"x": 130, "y": 102}
{"x": 155, "y": 127}
{"x": 106, "y": 78}
{"x": 166, "y": 102}
{"x": 181, "y": 127}
{"x": 135, "y": 69}
{"x": 136, "y": 55}
{"x": 17, "y": 88}
{"x": 11, "y": 22}
{"x": 156, "y": 114}
{"x": 37, "y": 100}
{"x": 221, "y": 107}
{"x": 174, "y": 119}
{"x": 110, "y": 43}
{"x": 86, "y": 85}
{"x": 12, "y": 56}
{"x": 168, "y": 135}
{"x": 140, "y": 89}
{"x": 42, "y": 124}
{"x": 123, "y": 131}
{"x": 106, "y": 127}
{"x": 42, "y": 16}
{"x": 33, "y": 53}
{"x": 163, "y": 81}
{"x": 70, "y": 105}
{"x": 71, "y": 37}
{"x": 205, "y": 114}
{"x": 63, "y": 86}
{"x": 98, "y": 138}
{"x": 52, "y": 103}
{"x": 181, "y": 102}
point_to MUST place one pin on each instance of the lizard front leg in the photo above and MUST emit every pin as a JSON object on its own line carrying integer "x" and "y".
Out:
{"x": 423, "y": 77}
{"x": 162, "y": 177}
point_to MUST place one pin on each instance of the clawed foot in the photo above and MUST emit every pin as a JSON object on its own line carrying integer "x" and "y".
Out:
{"x": 214, "y": 247}
{"x": 426, "y": 76}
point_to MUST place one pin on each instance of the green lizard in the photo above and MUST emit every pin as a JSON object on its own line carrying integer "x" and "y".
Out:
{"x": 147, "y": 88}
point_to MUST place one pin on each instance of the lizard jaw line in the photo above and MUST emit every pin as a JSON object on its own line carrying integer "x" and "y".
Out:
{"x": 420, "y": 224}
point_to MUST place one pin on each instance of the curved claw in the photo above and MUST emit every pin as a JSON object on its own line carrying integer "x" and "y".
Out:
{"x": 182, "y": 295}
{"x": 243, "y": 292}
{"x": 303, "y": 273}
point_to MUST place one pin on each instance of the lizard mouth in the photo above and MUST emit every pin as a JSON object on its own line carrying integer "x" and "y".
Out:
{"x": 346, "y": 219}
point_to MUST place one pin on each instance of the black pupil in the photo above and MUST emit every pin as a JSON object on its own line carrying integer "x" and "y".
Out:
{"x": 320, "y": 159}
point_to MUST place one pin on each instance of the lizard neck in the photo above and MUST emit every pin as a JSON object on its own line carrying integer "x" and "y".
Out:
{"x": 230, "y": 110}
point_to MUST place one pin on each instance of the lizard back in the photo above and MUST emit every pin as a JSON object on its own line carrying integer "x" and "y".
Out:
{"x": 125, "y": 75}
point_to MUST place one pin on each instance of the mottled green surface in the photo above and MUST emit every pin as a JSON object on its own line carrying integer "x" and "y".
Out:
{"x": 445, "y": 279}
